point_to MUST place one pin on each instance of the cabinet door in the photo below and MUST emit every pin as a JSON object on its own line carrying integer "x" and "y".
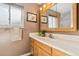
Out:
{"x": 44, "y": 47}
{"x": 56, "y": 52}
{"x": 41, "y": 52}
{"x": 32, "y": 46}
{"x": 35, "y": 51}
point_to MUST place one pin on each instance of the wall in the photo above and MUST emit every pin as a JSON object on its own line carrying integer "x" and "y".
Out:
{"x": 22, "y": 46}
{"x": 44, "y": 26}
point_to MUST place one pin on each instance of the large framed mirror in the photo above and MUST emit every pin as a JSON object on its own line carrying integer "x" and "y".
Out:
{"x": 61, "y": 17}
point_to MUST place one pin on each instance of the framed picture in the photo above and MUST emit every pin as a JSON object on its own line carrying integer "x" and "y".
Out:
{"x": 44, "y": 19}
{"x": 31, "y": 17}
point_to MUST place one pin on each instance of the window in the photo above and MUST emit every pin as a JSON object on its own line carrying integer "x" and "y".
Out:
{"x": 11, "y": 15}
{"x": 15, "y": 16}
{"x": 4, "y": 14}
{"x": 11, "y": 20}
{"x": 52, "y": 22}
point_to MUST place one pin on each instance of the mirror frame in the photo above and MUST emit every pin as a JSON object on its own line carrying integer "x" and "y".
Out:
{"x": 74, "y": 7}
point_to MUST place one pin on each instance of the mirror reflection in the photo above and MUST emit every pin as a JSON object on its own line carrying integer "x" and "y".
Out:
{"x": 60, "y": 16}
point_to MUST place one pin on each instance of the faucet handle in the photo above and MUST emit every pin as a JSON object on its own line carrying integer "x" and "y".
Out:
{"x": 50, "y": 35}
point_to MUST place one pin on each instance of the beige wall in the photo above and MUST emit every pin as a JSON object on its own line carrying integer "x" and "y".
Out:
{"x": 22, "y": 46}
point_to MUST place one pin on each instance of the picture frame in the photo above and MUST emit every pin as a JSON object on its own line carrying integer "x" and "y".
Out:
{"x": 44, "y": 19}
{"x": 31, "y": 17}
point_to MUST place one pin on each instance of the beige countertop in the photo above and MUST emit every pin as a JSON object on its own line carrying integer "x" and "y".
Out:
{"x": 67, "y": 46}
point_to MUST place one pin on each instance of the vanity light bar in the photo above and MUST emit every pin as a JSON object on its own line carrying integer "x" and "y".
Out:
{"x": 46, "y": 6}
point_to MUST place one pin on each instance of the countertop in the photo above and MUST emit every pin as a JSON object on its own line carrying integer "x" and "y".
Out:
{"x": 66, "y": 46}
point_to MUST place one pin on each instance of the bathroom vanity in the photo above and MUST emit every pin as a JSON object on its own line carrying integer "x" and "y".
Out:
{"x": 40, "y": 49}
{"x": 60, "y": 17}
{"x": 45, "y": 46}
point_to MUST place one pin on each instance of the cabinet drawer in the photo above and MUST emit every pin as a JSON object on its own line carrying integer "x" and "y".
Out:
{"x": 44, "y": 47}
{"x": 56, "y": 52}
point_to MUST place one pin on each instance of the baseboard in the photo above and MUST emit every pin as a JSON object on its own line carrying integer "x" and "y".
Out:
{"x": 27, "y": 54}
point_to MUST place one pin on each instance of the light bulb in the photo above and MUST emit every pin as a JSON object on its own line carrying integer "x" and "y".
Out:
{"x": 44, "y": 5}
{"x": 40, "y": 8}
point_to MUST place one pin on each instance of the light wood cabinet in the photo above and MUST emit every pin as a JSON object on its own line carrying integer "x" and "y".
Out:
{"x": 40, "y": 49}
{"x": 35, "y": 51}
{"x": 41, "y": 52}
{"x": 56, "y": 52}
{"x": 44, "y": 47}
{"x": 32, "y": 46}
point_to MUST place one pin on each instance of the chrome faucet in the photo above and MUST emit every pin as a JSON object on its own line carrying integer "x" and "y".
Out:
{"x": 50, "y": 35}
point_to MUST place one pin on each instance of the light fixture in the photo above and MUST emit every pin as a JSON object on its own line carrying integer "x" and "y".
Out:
{"x": 44, "y": 5}
{"x": 40, "y": 8}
